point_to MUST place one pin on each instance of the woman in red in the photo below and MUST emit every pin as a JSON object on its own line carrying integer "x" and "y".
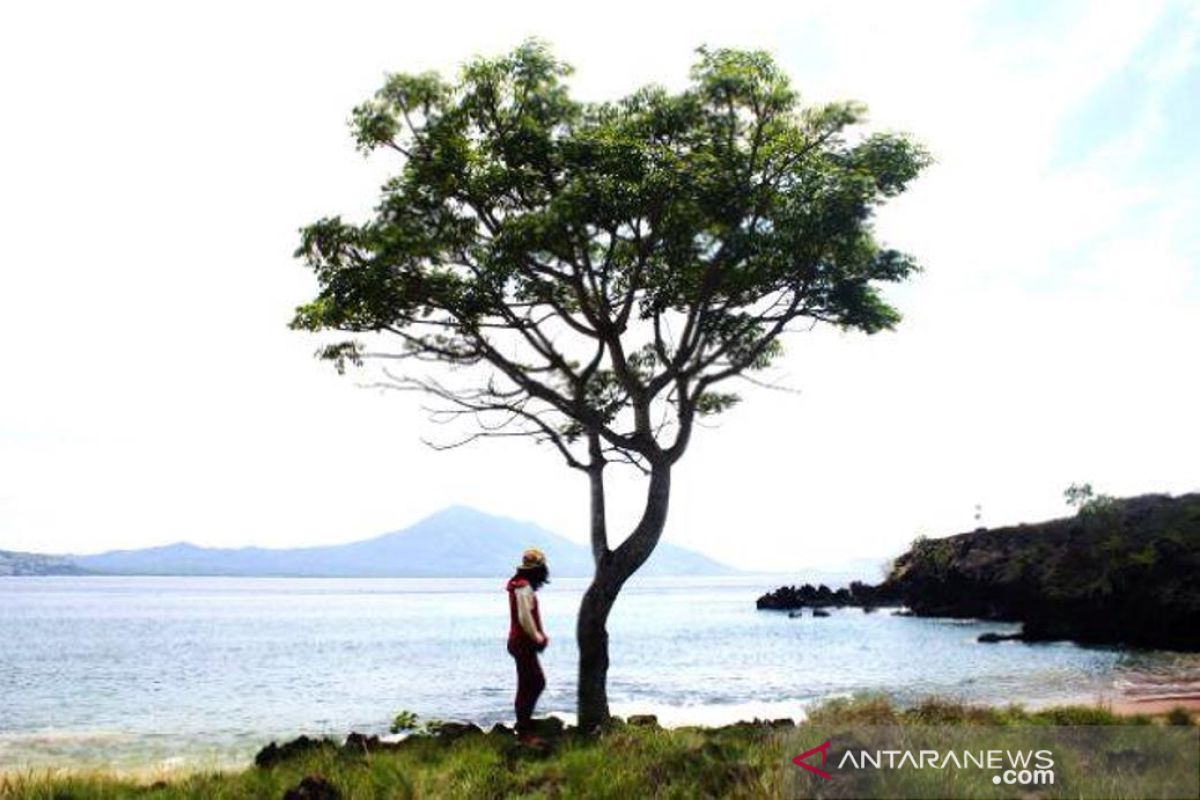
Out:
{"x": 525, "y": 636}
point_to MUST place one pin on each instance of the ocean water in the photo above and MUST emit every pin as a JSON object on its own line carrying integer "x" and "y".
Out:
{"x": 133, "y": 672}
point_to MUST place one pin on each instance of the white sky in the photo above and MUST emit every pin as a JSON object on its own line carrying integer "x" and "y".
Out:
{"x": 157, "y": 160}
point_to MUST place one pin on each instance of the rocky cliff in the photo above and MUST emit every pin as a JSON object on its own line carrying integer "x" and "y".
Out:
{"x": 1127, "y": 573}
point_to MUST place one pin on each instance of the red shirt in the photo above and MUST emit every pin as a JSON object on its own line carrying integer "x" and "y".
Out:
{"x": 515, "y": 632}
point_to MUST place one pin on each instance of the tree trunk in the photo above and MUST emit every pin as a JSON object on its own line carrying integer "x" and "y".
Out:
{"x": 613, "y": 568}
{"x": 592, "y": 635}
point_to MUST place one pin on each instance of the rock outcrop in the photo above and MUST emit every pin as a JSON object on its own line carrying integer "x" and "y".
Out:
{"x": 788, "y": 598}
{"x": 1123, "y": 572}
{"x": 1127, "y": 573}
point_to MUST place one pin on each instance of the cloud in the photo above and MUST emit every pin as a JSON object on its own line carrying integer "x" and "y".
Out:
{"x": 160, "y": 160}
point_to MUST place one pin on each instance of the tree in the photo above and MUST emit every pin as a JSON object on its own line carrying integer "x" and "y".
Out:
{"x": 1078, "y": 495}
{"x": 1087, "y": 503}
{"x": 594, "y": 274}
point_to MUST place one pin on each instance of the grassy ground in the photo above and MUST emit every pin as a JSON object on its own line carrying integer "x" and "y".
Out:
{"x": 629, "y": 761}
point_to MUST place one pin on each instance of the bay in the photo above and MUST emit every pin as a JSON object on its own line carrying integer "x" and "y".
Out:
{"x": 136, "y": 671}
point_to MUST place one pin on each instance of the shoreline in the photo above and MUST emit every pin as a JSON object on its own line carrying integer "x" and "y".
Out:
{"x": 1157, "y": 706}
{"x": 1154, "y": 705}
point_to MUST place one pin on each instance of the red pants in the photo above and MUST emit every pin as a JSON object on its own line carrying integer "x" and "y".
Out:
{"x": 530, "y": 680}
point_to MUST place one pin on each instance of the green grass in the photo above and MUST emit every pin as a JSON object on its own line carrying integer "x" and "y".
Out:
{"x": 879, "y": 710}
{"x": 682, "y": 764}
{"x": 627, "y": 762}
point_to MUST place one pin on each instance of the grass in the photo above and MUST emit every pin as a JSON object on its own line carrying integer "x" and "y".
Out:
{"x": 879, "y": 710}
{"x": 682, "y": 764}
{"x": 737, "y": 761}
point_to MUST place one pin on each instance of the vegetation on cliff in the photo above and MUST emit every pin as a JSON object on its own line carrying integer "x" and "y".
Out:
{"x": 1122, "y": 571}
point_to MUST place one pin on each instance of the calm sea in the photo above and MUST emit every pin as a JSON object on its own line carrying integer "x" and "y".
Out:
{"x": 134, "y": 672}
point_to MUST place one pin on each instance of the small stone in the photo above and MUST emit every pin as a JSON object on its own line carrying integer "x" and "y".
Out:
{"x": 449, "y": 731}
{"x": 549, "y": 726}
{"x": 644, "y": 721}
{"x": 273, "y": 753}
{"x": 313, "y": 787}
{"x": 360, "y": 743}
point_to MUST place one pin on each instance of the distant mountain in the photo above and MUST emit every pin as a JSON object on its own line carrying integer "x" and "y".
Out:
{"x": 35, "y": 564}
{"x": 457, "y": 541}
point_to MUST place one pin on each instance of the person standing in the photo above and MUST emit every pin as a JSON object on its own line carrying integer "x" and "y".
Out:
{"x": 526, "y": 638}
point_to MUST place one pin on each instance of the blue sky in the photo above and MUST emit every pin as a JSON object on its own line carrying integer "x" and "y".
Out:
{"x": 1141, "y": 124}
{"x": 159, "y": 160}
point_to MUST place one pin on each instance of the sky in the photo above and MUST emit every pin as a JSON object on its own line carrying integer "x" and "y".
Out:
{"x": 158, "y": 159}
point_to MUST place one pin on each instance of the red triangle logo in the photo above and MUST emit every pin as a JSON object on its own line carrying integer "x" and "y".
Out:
{"x": 823, "y": 749}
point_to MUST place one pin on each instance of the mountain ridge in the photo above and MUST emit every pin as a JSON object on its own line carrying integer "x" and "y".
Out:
{"x": 458, "y": 541}
{"x": 15, "y": 563}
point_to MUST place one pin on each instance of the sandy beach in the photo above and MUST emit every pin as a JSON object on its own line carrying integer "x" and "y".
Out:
{"x": 1154, "y": 705}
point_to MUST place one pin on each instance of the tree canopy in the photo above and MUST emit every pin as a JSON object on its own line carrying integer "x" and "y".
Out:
{"x": 595, "y": 272}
